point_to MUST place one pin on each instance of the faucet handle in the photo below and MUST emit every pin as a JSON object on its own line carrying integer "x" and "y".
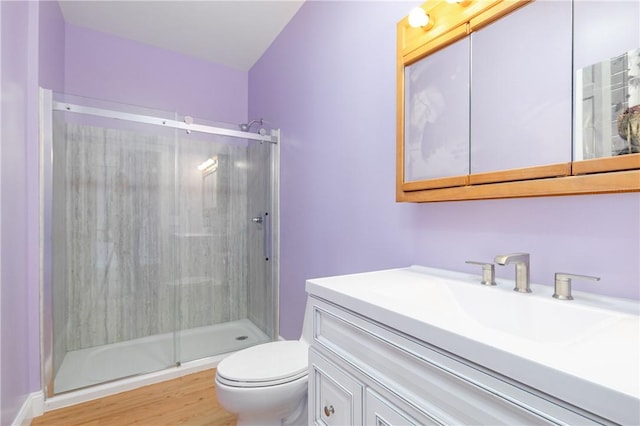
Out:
{"x": 488, "y": 272}
{"x": 562, "y": 287}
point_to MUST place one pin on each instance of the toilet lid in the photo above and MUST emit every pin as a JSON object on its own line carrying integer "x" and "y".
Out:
{"x": 266, "y": 363}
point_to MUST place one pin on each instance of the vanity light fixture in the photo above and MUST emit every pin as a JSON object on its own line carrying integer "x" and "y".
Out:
{"x": 418, "y": 18}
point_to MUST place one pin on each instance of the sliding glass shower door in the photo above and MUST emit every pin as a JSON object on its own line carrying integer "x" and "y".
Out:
{"x": 223, "y": 239}
{"x": 158, "y": 242}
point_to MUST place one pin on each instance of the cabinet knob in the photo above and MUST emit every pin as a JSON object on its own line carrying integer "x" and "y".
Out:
{"x": 328, "y": 410}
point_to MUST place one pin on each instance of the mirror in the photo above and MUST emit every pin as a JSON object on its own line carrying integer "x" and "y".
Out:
{"x": 520, "y": 104}
{"x": 608, "y": 107}
{"x": 605, "y": 52}
{"x": 437, "y": 105}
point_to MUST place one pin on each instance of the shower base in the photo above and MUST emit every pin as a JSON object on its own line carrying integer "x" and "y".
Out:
{"x": 100, "y": 364}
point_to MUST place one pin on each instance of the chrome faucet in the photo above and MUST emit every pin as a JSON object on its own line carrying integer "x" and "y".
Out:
{"x": 522, "y": 269}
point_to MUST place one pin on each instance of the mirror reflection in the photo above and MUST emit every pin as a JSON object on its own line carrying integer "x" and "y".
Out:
{"x": 437, "y": 123}
{"x": 209, "y": 187}
{"x": 608, "y": 106}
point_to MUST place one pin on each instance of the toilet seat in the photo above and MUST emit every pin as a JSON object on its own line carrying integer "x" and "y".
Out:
{"x": 267, "y": 364}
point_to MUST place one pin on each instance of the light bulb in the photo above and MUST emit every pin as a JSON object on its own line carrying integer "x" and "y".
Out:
{"x": 418, "y": 18}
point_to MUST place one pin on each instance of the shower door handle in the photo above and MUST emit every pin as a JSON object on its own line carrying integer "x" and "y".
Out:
{"x": 266, "y": 246}
{"x": 266, "y": 236}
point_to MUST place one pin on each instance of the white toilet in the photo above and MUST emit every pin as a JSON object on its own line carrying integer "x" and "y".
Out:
{"x": 266, "y": 384}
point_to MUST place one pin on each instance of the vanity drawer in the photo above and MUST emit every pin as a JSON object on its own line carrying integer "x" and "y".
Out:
{"x": 436, "y": 383}
{"x": 336, "y": 397}
{"x": 382, "y": 412}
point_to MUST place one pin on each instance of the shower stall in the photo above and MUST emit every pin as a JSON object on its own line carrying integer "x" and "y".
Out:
{"x": 159, "y": 236}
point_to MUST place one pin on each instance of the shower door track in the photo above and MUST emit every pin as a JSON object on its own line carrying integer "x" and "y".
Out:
{"x": 186, "y": 125}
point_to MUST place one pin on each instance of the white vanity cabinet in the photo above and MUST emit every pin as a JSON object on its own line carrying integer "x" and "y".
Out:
{"x": 363, "y": 372}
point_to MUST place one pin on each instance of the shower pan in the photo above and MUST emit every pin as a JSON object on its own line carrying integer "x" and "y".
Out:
{"x": 159, "y": 240}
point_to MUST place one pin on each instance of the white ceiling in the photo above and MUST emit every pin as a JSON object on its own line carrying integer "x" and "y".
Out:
{"x": 233, "y": 32}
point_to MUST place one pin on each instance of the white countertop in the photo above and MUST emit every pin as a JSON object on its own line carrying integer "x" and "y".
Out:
{"x": 585, "y": 351}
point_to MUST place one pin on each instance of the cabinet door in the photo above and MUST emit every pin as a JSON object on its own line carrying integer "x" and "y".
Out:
{"x": 335, "y": 398}
{"x": 381, "y": 412}
{"x": 521, "y": 90}
{"x": 606, "y": 73}
{"x": 436, "y": 119}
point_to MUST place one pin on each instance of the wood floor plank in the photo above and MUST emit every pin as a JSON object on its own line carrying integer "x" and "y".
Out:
{"x": 189, "y": 400}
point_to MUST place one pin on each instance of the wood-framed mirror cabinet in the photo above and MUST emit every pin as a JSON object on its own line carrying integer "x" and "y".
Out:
{"x": 441, "y": 98}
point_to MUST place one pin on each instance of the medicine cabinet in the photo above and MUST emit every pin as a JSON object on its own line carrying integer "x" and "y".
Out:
{"x": 503, "y": 99}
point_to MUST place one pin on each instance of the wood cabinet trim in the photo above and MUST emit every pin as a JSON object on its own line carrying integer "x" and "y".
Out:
{"x": 537, "y": 172}
{"x": 494, "y": 13}
{"x": 445, "y": 182}
{"x": 597, "y": 183}
{"x": 451, "y": 21}
{"x": 597, "y": 165}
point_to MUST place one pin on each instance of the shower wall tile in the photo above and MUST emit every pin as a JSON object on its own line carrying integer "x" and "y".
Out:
{"x": 211, "y": 233}
{"x": 119, "y": 217}
{"x": 238, "y": 219}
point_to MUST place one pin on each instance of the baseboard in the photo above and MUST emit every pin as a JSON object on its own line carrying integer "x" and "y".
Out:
{"x": 37, "y": 405}
{"x": 32, "y": 407}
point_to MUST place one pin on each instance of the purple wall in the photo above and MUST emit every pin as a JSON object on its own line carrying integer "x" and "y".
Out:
{"x": 14, "y": 381}
{"x": 17, "y": 86}
{"x": 328, "y": 81}
{"x": 51, "y": 46}
{"x": 111, "y": 68}
{"x": 32, "y": 55}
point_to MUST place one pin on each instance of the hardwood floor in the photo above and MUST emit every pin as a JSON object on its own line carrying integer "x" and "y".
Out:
{"x": 187, "y": 400}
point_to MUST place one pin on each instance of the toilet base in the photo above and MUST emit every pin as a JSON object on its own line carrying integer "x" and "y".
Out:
{"x": 297, "y": 418}
{"x": 278, "y": 405}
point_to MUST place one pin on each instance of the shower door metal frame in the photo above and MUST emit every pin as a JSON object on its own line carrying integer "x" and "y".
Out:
{"x": 146, "y": 119}
{"x": 47, "y": 106}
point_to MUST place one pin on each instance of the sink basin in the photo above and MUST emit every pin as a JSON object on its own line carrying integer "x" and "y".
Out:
{"x": 535, "y": 317}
